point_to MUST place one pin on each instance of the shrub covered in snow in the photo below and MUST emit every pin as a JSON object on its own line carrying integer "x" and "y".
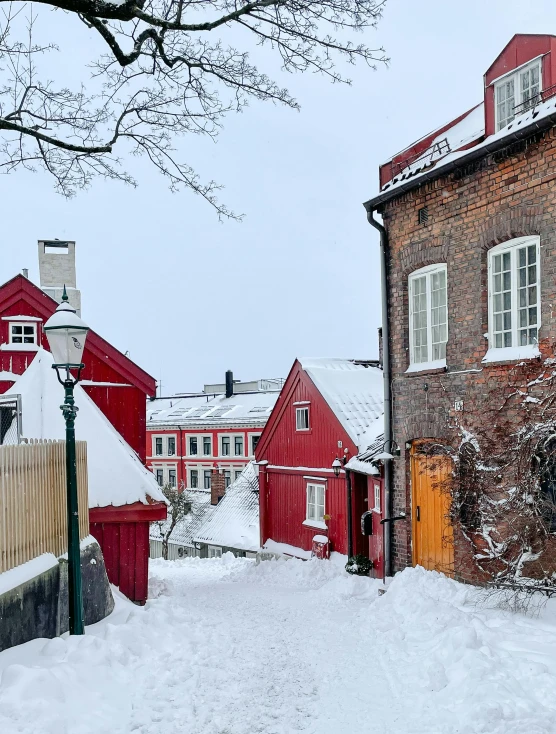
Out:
{"x": 359, "y": 565}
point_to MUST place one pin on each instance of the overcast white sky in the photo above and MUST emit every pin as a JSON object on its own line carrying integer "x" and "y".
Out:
{"x": 190, "y": 297}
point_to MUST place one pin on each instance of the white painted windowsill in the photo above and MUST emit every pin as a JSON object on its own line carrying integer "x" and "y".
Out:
{"x": 437, "y": 364}
{"x": 19, "y": 347}
{"x": 511, "y": 354}
{"x": 315, "y": 524}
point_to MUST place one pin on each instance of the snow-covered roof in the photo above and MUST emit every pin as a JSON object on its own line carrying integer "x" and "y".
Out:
{"x": 186, "y": 529}
{"x": 203, "y": 410}
{"x": 363, "y": 462}
{"x": 235, "y": 520}
{"x": 460, "y": 146}
{"x": 116, "y": 475}
{"x": 354, "y": 391}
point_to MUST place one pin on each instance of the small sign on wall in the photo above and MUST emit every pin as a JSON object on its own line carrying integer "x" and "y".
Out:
{"x": 458, "y": 405}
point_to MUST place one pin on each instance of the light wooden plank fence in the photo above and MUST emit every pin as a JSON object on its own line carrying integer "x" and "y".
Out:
{"x": 33, "y": 500}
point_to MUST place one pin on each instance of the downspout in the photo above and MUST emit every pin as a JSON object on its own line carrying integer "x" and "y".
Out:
{"x": 386, "y": 373}
{"x": 349, "y": 515}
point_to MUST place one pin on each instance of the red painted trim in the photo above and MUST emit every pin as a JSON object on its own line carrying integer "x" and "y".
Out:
{"x": 137, "y": 512}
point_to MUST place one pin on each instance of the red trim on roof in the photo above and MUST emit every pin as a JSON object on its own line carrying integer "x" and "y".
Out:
{"x": 137, "y": 512}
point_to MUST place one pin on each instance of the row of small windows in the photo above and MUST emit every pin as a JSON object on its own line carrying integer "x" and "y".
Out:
{"x": 513, "y": 295}
{"x": 195, "y": 476}
{"x": 202, "y": 445}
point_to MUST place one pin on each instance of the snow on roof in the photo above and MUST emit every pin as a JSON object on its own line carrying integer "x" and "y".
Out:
{"x": 235, "y": 520}
{"x": 363, "y": 462}
{"x": 354, "y": 392}
{"x": 116, "y": 474}
{"x": 198, "y": 410}
{"x": 187, "y": 528}
{"x": 529, "y": 119}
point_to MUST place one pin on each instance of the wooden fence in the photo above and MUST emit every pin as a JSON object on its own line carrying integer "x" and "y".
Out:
{"x": 33, "y": 500}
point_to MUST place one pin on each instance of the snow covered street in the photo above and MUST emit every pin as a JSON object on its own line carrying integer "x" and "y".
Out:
{"x": 228, "y": 647}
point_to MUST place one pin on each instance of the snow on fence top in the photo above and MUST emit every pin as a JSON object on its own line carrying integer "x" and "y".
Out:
{"x": 116, "y": 475}
{"x": 355, "y": 393}
{"x": 234, "y": 523}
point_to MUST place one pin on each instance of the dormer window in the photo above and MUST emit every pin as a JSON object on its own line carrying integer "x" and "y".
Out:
{"x": 23, "y": 333}
{"x": 516, "y": 93}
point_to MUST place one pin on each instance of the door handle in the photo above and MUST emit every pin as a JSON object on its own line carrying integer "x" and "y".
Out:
{"x": 418, "y": 513}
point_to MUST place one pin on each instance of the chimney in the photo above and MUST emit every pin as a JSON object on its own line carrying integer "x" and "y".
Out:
{"x": 25, "y": 273}
{"x": 217, "y": 486}
{"x": 57, "y": 269}
{"x": 229, "y": 383}
{"x": 380, "y": 346}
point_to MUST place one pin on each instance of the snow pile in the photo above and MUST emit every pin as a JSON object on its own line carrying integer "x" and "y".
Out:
{"x": 229, "y": 646}
{"x": 116, "y": 474}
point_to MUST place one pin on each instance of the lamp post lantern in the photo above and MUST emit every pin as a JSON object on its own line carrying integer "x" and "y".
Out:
{"x": 66, "y": 334}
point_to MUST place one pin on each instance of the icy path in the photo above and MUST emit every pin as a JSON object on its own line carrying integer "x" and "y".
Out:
{"x": 227, "y": 647}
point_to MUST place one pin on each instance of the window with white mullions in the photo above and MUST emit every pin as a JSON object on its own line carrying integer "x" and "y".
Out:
{"x": 23, "y": 334}
{"x": 428, "y": 314}
{"x": 517, "y": 93}
{"x": 315, "y": 502}
{"x": 514, "y": 296}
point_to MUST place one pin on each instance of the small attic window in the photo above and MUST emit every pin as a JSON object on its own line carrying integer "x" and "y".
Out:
{"x": 423, "y": 215}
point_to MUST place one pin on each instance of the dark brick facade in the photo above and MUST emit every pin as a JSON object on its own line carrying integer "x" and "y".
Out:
{"x": 217, "y": 486}
{"x": 508, "y": 195}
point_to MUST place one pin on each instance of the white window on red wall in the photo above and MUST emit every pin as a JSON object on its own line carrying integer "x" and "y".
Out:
{"x": 428, "y": 315}
{"x": 514, "y": 294}
{"x": 302, "y": 419}
{"x": 517, "y": 92}
{"x": 160, "y": 477}
{"x": 194, "y": 478}
{"x": 171, "y": 446}
{"x": 23, "y": 333}
{"x": 315, "y": 502}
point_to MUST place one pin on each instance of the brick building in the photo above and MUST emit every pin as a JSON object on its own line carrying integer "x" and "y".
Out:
{"x": 469, "y": 257}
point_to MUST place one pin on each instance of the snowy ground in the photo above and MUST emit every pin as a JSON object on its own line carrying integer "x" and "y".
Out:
{"x": 228, "y": 647}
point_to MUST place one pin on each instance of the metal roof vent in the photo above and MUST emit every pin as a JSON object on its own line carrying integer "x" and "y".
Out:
{"x": 423, "y": 215}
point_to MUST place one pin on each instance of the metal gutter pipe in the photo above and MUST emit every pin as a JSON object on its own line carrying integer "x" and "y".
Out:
{"x": 386, "y": 373}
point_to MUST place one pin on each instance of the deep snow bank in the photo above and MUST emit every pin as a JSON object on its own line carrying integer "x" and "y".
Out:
{"x": 229, "y": 647}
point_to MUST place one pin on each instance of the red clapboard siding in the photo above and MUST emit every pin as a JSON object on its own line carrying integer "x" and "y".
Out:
{"x": 283, "y": 497}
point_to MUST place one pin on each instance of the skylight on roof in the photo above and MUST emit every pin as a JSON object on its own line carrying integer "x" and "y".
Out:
{"x": 258, "y": 410}
{"x": 199, "y": 412}
{"x": 219, "y": 412}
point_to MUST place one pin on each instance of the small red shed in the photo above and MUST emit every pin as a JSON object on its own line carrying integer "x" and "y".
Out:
{"x": 119, "y": 389}
{"x": 328, "y": 409}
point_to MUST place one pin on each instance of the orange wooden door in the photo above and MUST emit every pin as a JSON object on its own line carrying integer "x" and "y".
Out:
{"x": 433, "y": 537}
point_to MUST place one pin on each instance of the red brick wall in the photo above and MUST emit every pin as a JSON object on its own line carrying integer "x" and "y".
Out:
{"x": 217, "y": 486}
{"x": 508, "y": 195}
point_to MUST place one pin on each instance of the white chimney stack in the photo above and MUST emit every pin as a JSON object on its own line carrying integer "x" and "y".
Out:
{"x": 57, "y": 269}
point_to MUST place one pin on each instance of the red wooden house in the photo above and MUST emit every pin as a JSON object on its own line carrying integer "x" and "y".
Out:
{"x": 328, "y": 409}
{"x": 119, "y": 388}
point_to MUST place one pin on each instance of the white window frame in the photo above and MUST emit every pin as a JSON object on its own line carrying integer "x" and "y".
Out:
{"x": 298, "y": 412}
{"x": 251, "y": 437}
{"x": 165, "y": 469}
{"x": 427, "y": 272}
{"x": 512, "y": 247}
{"x": 315, "y": 521}
{"x": 516, "y": 77}
{"x": 377, "y": 500}
{"x": 188, "y": 453}
{"x": 211, "y": 439}
{"x": 204, "y": 470}
{"x": 175, "y": 470}
{"x": 189, "y": 482}
{"x": 21, "y": 345}
{"x": 236, "y": 436}
{"x": 214, "y": 551}
{"x": 159, "y": 436}
{"x": 171, "y": 435}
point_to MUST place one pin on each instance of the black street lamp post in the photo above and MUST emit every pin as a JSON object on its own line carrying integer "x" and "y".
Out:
{"x": 66, "y": 334}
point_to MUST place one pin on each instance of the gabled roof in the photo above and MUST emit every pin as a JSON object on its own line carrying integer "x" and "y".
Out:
{"x": 205, "y": 410}
{"x": 115, "y": 473}
{"x": 235, "y": 520}
{"x": 354, "y": 391}
{"x": 20, "y": 287}
{"x": 186, "y": 529}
